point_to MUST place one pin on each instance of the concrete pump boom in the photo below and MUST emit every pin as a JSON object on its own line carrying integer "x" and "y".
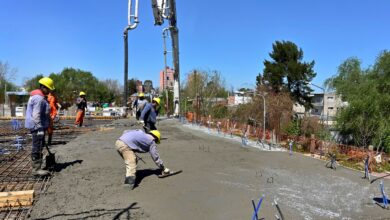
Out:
{"x": 162, "y": 9}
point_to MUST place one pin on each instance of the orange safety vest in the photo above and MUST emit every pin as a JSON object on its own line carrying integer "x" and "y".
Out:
{"x": 53, "y": 105}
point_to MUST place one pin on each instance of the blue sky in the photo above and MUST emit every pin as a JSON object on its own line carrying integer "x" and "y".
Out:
{"x": 234, "y": 37}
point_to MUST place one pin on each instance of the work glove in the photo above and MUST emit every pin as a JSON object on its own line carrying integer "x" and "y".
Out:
{"x": 166, "y": 171}
{"x": 40, "y": 133}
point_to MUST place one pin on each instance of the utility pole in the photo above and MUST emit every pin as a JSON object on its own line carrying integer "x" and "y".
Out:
{"x": 165, "y": 33}
{"x": 125, "y": 86}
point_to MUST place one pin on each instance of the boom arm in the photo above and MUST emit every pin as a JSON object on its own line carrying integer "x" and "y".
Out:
{"x": 175, "y": 50}
{"x": 162, "y": 9}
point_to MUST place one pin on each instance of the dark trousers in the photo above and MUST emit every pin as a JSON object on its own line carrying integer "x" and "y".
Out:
{"x": 38, "y": 142}
{"x": 138, "y": 114}
{"x": 149, "y": 126}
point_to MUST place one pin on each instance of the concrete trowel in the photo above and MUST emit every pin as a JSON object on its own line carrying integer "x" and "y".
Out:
{"x": 171, "y": 173}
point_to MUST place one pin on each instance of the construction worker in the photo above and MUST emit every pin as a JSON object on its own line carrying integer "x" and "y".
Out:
{"x": 140, "y": 105}
{"x": 149, "y": 114}
{"x": 81, "y": 103}
{"x": 37, "y": 121}
{"x": 52, "y": 99}
{"x": 137, "y": 141}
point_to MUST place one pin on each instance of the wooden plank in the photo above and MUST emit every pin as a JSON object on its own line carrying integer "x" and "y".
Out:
{"x": 16, "y": 198}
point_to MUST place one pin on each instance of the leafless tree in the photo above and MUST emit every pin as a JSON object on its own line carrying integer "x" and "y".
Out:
{"x": 6, "y": 72}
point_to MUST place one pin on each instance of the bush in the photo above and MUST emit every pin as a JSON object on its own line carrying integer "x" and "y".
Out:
{"x": 219, "y": 111}
{"x": 292, "y": 129}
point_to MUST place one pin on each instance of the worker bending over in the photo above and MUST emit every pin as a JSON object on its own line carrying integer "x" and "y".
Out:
{"x": 81, "y": 103}
{"x": 149, "y": 115}
{"x": 37, "y": 121}
{"x": 137, "y": 141}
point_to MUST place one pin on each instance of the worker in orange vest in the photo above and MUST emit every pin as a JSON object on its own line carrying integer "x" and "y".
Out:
{"x": 81, "y": 106}
{"x": 52, "y": 100}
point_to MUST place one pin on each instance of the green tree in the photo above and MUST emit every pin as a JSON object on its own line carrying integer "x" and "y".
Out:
{"x": 132, "y": 86}
{"x": 69, "y": 82}
{"x": 32, "y": 83}
{"x": 115, "y": 90}
{"x": 367, "y": 92}
{"x": 206, "y": 87}
{"x": 166, "y": 107}
{"x": 287, "y": 72}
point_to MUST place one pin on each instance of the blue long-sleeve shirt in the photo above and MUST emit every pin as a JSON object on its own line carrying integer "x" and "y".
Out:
{"x": 149, "y": 114}
{"x": 38, "y": 112}
{"x": 141, "y": 142}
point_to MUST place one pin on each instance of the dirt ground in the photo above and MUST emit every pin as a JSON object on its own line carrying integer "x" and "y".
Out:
{"x": 219, "y": 180}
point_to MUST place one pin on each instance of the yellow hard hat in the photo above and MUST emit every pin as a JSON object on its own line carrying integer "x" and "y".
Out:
{"x": 141, "y": 94}
{"x": 82, "y": 93}
{"x": 46, "y": 81}
{"x": 156, "y": 134}
{"x": 157, "y": 100}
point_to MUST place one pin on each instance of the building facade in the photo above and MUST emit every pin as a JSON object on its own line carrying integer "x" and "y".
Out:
{"x": 166, "y": 79}
{"x": 239, "y": 98}
{"x": 139, "y": 86}
{"x": 324, "y": 106}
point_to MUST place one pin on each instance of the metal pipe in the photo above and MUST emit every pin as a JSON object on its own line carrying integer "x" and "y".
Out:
{"x": 125, "y": 89}
{"x": 134, "y": 24}
{"x": 165, "y": 34}
{"x": 279, "y": 210}
{"x": 164, "y": 8}
{"x": 175, "y": 48}
{"x": 254, "y": 207}
{"x": 131, "y": 25}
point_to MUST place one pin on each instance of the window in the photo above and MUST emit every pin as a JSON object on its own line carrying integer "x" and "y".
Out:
{"x": 330, "y": 108}
{"x": 167, "y": 77}
{"x": 330, "y": 97}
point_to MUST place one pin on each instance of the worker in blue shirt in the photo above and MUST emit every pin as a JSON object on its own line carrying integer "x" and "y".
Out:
{"x": 137, "y": 141}
{"x": 149, "y": 114}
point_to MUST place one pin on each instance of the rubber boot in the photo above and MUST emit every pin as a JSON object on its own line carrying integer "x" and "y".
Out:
{"x": 49, "y": 140}
{"x": 130, "y": 181}
{"x": 36, "y": 169}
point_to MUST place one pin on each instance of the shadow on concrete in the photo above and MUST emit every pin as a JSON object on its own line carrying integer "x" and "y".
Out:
{"x": 58, "y": 167}
{"x": 58, "y": 143}
{"x": 98, "y": 213}
{"x": 379, "y": 201}
{"x": 141, "y": 174}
